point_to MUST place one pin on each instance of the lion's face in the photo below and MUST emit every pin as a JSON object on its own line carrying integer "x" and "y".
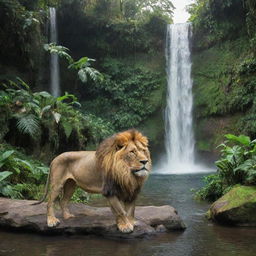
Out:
{"x": 137, "y": 157}
{"x": 125, "y": 155}
{"x": 125, "y": 160}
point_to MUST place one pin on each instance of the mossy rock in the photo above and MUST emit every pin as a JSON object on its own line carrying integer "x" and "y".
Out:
{"x": 237, "y": 207}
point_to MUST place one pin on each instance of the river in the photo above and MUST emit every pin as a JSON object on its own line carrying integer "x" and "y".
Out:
{"x": 201, "y": 238}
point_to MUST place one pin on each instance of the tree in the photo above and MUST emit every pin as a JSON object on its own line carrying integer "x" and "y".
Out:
{"x": 140, "y": 8}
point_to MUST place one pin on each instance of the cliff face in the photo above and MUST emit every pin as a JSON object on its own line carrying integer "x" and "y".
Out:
{"x": 224, "y": 68}
{"x": 221, "y": 99}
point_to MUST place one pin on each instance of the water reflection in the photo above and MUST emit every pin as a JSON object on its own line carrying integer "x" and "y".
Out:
{"x": 201, "y": 237}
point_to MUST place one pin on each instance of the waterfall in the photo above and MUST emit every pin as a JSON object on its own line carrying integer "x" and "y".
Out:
{"x": 179, "y": 137}
{"x": 54, "y": 61}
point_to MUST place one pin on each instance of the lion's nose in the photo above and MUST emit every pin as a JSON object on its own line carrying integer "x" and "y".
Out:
{"x": 144, "y": 161}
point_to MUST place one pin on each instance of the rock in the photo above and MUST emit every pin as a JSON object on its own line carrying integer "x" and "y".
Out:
{"x": 22, "y": 215}
{"x": 237, "y": 207}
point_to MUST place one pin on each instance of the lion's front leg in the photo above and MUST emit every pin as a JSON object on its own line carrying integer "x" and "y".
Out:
{"x": 130, "y": 210}
{"x": 118, "y": 210}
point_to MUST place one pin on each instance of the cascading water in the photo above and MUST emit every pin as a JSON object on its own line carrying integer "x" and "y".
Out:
{"x": 179, "y": 137}
{"x": 54, "y": 61}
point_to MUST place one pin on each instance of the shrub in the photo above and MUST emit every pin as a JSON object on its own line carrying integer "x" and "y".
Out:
{"x": 237, "y": 165}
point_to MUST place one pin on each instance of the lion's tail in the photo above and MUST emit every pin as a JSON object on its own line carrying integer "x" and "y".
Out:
{"x": 45, "y": 189}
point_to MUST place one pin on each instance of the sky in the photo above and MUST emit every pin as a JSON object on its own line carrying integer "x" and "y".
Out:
{"x": 180, "y": 14}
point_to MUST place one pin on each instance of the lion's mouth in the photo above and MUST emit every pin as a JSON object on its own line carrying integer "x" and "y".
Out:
{"x": 141, "y": 172}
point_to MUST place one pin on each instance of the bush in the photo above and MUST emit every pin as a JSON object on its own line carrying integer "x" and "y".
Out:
{"x": 39, "y": 120}
{"x": 125, "y": 94}
{"x": 20, "y": 177}
{"x": 237, "y": 165}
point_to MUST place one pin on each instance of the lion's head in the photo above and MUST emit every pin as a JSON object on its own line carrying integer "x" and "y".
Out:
{"x": 125, "y": 160}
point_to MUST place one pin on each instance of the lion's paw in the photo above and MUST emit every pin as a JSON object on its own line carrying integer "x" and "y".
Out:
{"x": 52, "y": 221}
{"x": 132, "y": 221}
{"x": 68, "y": 215}
{"x": 125, "y": 228}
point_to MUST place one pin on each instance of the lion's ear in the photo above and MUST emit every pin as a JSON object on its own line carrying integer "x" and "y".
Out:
{"x": 122, "y": 139}
{"x": 142, "y": 139}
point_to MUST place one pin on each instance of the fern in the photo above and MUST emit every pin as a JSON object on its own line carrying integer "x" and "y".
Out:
{"x": 29, "y": 124}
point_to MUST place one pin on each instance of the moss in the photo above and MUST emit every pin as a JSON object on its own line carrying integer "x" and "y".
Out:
{"x": 213, "y": 70}
{"x": 238, "y": 206}
{"x": 238, "y": 196}
{"x": 223, "y": 95}
{"x": 209, "y": 131}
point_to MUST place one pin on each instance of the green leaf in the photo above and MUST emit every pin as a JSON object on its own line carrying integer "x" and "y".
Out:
{"x": 68, "y": 128}
{"x": 29, "y": 124}
{"x": 4, "y": 175}
{"x": 43, "y": 94}
{"x": 80, "y": 63}
{"x": 6, "y": 154}
{"x": 82, "y": 75}
{"x": 242, "y": 139}
{"x": 67, "y": 96}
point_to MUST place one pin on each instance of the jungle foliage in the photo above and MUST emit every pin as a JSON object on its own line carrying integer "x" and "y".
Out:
{"x": 41, "y": 123}
{"x": 127, "y": 94}
{"x": 126, "y": 37}
{"x": 23, "y": 177}
{"x": 129, "y": 53}
{"x": 223, "y": 68}
{"x": 20, "y": 176}
{"x": 237, "y": 165}
{"x": 215, "y": 20}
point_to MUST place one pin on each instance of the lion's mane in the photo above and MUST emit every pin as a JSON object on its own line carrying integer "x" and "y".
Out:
{"x": 118, "y": 179}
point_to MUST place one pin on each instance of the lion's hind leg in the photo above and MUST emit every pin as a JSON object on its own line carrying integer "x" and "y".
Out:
{"x": 68, "y": 190}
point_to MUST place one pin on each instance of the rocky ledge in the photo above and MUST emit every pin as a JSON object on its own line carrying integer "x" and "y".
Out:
{"x": 22, "y": 215}
{"x": 237, "y": 207}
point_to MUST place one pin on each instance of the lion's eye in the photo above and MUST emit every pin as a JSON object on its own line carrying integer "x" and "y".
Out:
{"x": 132, "y": 151}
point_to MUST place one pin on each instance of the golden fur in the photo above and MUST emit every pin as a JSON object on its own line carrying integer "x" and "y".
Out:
{"x": 117, "y": 170}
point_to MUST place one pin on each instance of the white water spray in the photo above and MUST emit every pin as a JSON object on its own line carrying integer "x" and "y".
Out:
{"x": 54, "y": 61}
{"x": 179, "y": 137}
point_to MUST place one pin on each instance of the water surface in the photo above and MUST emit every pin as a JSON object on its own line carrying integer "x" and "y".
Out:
{"x": 201, "y": 238}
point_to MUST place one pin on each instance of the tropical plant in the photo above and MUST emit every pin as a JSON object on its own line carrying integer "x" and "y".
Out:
{"x": 83, "y": 65}
{"x": 126, "y": 94}
{"x": 237, "y": 165}
{"x": 20, "y": 177}
{"x": 47, "y": 121}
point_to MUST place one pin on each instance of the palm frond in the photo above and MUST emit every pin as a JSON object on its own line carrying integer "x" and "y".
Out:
{"x": 29, "y": 124}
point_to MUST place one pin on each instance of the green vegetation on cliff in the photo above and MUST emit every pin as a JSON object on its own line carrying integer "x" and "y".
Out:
{"x": 223, "y": 69}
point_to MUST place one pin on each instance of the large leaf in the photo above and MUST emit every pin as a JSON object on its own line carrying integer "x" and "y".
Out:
{"x": 67, "y": 128}
{"x": 29, "y": 124}
{"x": 80, "y": 63}
{"x": 43, "y": 94}
{"x": 4, "y": 175}
{"x": 4, "y": 156}
{"x": 59, "y": 50}
{"x": 67, "y": 96}
{"x": 248, "y": 166}
{"x": 82, "y": 75}
{"x": 242, "y": 139}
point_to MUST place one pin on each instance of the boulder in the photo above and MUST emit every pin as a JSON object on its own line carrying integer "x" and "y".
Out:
{"x": 22, "y": 215}
{"x": 237, "y": 207}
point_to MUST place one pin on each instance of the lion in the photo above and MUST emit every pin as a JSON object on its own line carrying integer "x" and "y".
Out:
{"x": 117, "y": 170}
